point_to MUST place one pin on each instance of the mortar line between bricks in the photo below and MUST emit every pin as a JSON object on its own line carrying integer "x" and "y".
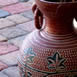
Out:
{"x": 16, "y": 46}
{"x": 31, "y": 20}
{"x": 19, "y": 23}
{"x": 21, "y": 12}
{"x": 8, "y": 5}
{"x": 7, "y": 27}
{"x": 26, "y": 21}
{"x": 16, "y": 36}
{"x": 9, "y": 52}
{"x": 4, "y": 37}
{"x": 3, "y": 62}
{"x": 9, "y": 67}
{"x": 15, "y": 24}
{"x": 14, "y": 65}
{"x": 5, "y": 74}
{"x": 27, "y": 17}
{"x": 24, "y": 30}
{"x": 6, "y": 16}
{"x": 11, "y": 20}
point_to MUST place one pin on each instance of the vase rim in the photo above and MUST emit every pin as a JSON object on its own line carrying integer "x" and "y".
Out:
{"x": 48, "y": 2}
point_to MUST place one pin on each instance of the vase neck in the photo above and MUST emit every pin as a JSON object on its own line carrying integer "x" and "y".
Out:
{"x": 57, "y": 26}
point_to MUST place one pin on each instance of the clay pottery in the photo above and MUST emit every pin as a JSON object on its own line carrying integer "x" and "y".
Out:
{"x": 51, "y": 50}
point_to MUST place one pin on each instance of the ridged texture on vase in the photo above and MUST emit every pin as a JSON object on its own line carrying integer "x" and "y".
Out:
{"x": 48, "y": 55}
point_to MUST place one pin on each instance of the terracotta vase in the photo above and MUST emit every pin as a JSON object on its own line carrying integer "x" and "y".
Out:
{"x": 51, "y": 50}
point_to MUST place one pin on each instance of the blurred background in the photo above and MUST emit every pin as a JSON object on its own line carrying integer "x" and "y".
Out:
{"x": 16, "y": 21}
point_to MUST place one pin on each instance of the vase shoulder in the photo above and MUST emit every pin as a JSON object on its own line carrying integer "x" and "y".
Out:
{"x": 42, "y": 39}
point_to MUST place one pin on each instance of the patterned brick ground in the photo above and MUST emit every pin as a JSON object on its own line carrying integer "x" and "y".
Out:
{"x": 13, "y": 32}
{"x": 7, "y": 2}
{"x": 6, "y": 23}
{"x": 10, "y": 59}
{"x": 17, "y": 41}
{"x": 3, "y": 75}
{"x": 2, "y": 38}
{"x": 12, "y": 72}
{"x": 28, "y": 14}
{"x": 7, "y": 48}
{"x": 4, "y": 13}
{"x": 18, "y": 19}
{"x": 28, "y": 26}
{"x": 17, "y": 8}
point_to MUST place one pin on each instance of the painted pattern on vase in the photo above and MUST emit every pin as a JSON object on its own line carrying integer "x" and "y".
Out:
{"x": 42, "y": 59}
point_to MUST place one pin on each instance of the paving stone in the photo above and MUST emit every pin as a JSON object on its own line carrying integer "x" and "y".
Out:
{"x": 12, "y": 72}
{"x": 17, "y": 8}
{"x": 17, "y": 41}
{"x": 18, "y": 18}
{"x": 3, "y": 13}
{"x": 7, "y": 48}
{"x": 2, "y": 38}
{"x": 2, "y": 66}
{"x": 12, "y": 32}
{"x": 3, "y": 75}
{"x": 29, "y": 26}
{"x": 28, "y": 14}
{"x": 6, "y": 23}
{"x": 23, "y": 0}
{"x": 31, "y": 1}
{"x": 10, "y": 58}
{"x": 7, "y": 2}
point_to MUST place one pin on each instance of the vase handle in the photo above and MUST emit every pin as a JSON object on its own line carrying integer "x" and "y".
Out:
{"x": 38, "y": 16}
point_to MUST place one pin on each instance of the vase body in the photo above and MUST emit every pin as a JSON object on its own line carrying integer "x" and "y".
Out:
{"x": 51, "y": 53}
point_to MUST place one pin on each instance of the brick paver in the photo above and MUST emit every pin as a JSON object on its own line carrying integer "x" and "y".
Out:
{"x": 6, "y": 23}
{"x": 28, "y": 14}
{"x": 28, "y": 26}
{"x": 10, "y": 58}
{"x": 17, "y": 41}
{"x": 3, "y": 75}
{"x": 7, "y": 2}
{"x": 12, "y": 72}
{"x": 3, "y": 13}
{"x": 2, "y": 66}
{"x": 7, "y": 48}
{"x": 23, "y": 0}
{"x": 18, "y": 19}
{"x": 2, "y": 38}
{"x": 17, "y": 8}
{"x": 13, "y": 32}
